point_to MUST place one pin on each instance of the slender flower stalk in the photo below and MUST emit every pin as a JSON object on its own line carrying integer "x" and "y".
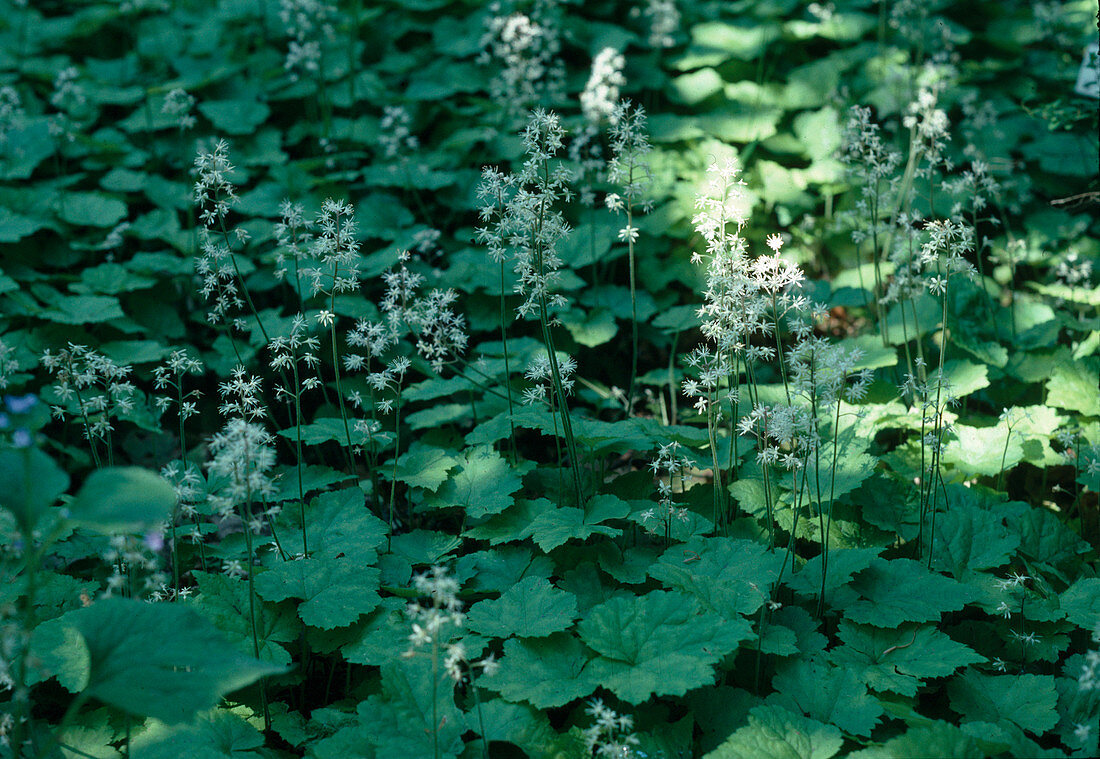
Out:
{"x": 628, "y": 169}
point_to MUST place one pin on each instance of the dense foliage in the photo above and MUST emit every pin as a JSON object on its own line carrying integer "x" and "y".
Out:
{"x": 438, "y": 378}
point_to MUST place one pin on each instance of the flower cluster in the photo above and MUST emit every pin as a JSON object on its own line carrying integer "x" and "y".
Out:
{"x": 308, "y": 23}
{"x": 436, "y": 624}
{"x": 395, "y": 133}
{"x": 215, "y": 194}
{"x": 540, "y": 371}
{"x": 170, "y": 375}
{"x": 11, "y": 111}
{"x": 242, "y": 455}
{"x": 524, "y": 47}
{"x": 675, "y": 464}
{"x": 610, "y": 735}
{"x": 601, "y": 94}
{"x": 291, "y": 351}
{"x": 91, "y": 386}
{"x": 178, "y": 104}
{"x": 131, "y": 559}
{"x": 336, "y": 249}
{"x": 663, "y": 19}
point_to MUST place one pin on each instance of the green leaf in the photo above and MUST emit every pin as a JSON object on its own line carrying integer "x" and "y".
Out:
{"x": 14, "y": 226}
{"x": 532, "y": 608}
{"x": 1081, "y": 602}
{"x": 935, "y": 739}
{"x": 338, "y": 522}
{"x": 514, "y": 524}
{"x": 899, "y": 659}
{"x": 234, "y": 116}
{"x": 91, "y": 209}
{"x": 30, "y": 482}
{"x": 544, "y": 672}
{"x": 224, "y": 601}
{"x": 1072, "y": 385}
{"x": 1028, "y": 701}
{"x": 122, "y": 499}
{"x": 424, "y": 466}
{"x": 901, "y": 590}
{"x": 83, "y": 309}
{"x": 776, "y": 733}
{"x": 415, "y": 711}
{"x": 335, "y": 591}
{"x": 518, "y": 724}
{"x": 553, "y": 528}
{"x": 592, "y": 328}
{"x": 843, "y": 564}
{"x": 154, "y": 660}
{"x": 483, "y": 485}
{"x": 726, "y": 575}
{"x": 970, "y": 538}
{"x": 694, "y": 88}
{"x": 217, "y": 733}
{"x": 320, "y": 431}
{"x": 661, "y": 643}
{"x": 981, "y": 450}
{"x": 833, "y": 695}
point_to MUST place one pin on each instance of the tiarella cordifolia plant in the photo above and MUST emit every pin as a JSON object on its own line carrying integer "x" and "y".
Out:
{"x": 522, "y": 41}
{"x": 630, "y": 172}
{"x": 95, "y": 390}
{"x": 869, "y": 531}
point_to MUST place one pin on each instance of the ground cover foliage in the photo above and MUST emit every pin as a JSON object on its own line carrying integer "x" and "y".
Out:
{"x": 553, "y": 379}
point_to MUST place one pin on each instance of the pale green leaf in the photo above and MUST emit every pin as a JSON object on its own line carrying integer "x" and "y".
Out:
{"x": 777, "y": 733}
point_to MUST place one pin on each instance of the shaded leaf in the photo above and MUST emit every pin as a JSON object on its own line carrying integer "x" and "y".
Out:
{"x": 532, "y": 608}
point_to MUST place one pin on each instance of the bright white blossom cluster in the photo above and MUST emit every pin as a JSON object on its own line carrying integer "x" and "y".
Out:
{"x": 524, "y": 48}
{"x": 242, "y": 455}
{"x": 663, "y": 20}
{"x": 336, "y": 249}
{"x": 610, "y": 736}
{"x": 91, "y": 387}
{"x": 437, "y": 623}
{"x": 540, "y": 371}
{"x": 214, "y": 194}
{"x": 601, "y": 94}
{"x": 518, "y": 215}
{"x": 308, "y": 23}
